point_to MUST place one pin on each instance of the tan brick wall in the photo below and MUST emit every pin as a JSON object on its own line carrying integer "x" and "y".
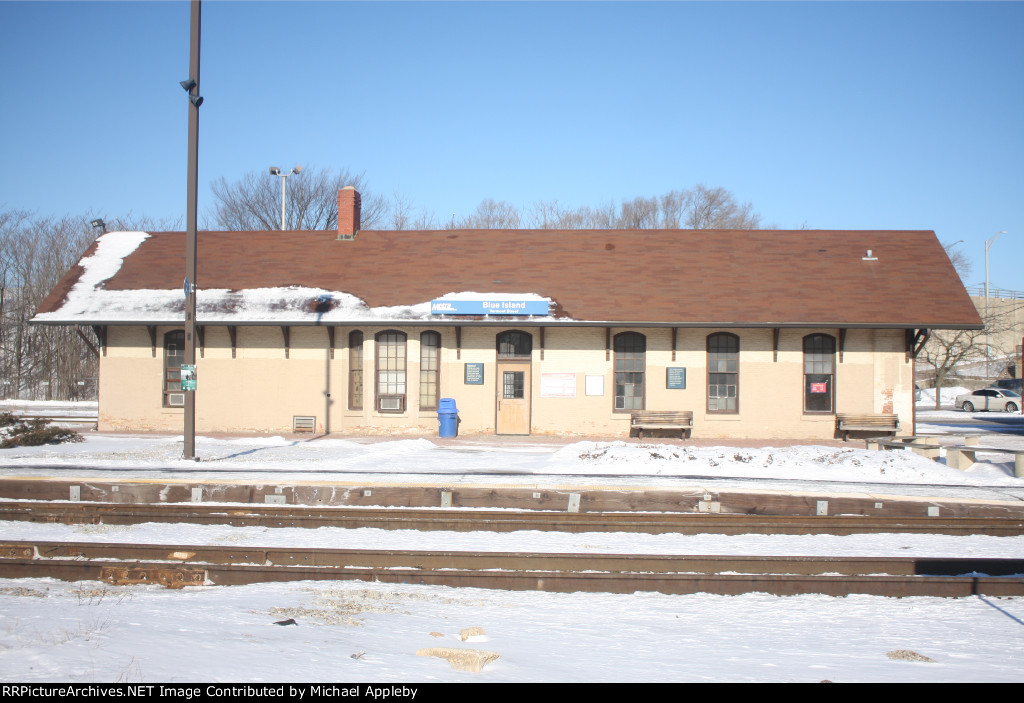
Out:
{"x": 261, "y": 390}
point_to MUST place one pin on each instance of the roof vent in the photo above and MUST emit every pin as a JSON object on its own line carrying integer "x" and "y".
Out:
{"x": 869, "y": 257}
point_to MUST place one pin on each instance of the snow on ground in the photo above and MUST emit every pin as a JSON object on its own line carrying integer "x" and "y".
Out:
{"x": 643, "y": 462}
{"x": 369, "y": 632}
{"x": 947, "y": 396}
{"x": 352, "y": 632}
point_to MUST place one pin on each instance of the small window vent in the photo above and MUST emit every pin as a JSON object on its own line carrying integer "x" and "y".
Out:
{"x": 176, "y": 400}
{"x": 391, "y": 403}
{"x": 303, "y": 423}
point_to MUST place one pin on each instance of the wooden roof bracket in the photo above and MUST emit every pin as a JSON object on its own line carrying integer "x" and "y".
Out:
{"x": 152, "y": 337}
{"x": 101, "y": 337}
{"x": 542, "y": 343}
{"x": 330, "y": 339}
{"x": 233, "y": 333}
{"x": 287, "y": 332}
{"x": 918, "y": 342}
{"x": 607, "y": 343}
{"x": 88, "y": 343}
{"x": 775, "y": 343}
{"x": 201, "y": 333}
{"x": 458, "y": 341}
{"x": 842, "y": 343}
{"x": 675, "y": 334}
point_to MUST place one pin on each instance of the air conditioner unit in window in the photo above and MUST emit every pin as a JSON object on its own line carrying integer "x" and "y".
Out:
{"x": 391, "y": 403}
{"x": 176, "y": 400}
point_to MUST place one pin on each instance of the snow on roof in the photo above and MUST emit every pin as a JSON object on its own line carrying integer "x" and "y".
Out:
{"x": 89, "y": 301}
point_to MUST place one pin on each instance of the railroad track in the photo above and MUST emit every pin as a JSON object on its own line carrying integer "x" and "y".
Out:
{"x": 92, "y": 513}
{"x": 182, "y": 565}
{"x": 198, "y": 565}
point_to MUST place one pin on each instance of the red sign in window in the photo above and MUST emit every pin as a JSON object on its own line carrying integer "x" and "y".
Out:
{"x": 819, "y": 387}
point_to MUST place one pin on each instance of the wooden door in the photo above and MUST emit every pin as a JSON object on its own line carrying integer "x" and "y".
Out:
{"x": 513, "y": 415}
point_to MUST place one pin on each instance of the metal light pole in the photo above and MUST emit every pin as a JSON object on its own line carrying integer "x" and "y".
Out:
{"x": 988, "y": 349}
{"x": 275, "y": 171}
{"x": 191, "y": 240}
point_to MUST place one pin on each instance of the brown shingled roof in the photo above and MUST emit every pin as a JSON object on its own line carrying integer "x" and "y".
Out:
{"x": 706, "y": 278}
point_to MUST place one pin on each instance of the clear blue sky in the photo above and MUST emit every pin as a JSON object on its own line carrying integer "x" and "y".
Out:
{"x": 870, "y": 115}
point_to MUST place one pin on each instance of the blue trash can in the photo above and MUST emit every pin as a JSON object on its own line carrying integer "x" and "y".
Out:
{"x": 448, "y": 418}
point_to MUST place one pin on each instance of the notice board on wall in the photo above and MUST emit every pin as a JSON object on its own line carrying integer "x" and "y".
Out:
{"x": 675, "y": 377}
{"x": 558, "y": 385}
{"x": 474, "y": 375}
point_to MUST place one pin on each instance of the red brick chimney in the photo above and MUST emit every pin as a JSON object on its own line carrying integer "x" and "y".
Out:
{"x": 348, "y": 212}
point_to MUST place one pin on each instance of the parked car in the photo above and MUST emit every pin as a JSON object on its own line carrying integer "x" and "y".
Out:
{"x": 989, "y": 399}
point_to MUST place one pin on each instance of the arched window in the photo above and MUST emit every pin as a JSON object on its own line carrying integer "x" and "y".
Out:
{"x": 430, "y": 368}
{"x": 391, "y": 368}
{"x": 630, "y": 352}
{"x": 819, "y": 373}
{"x": 355, "y": 370}
{"x": 515, "y": 344}
{"x": 723, "y": 373}
{"x": 174, "y": 355}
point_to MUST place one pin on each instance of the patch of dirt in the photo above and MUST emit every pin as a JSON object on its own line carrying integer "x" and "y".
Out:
{"x": 908, "y": 655}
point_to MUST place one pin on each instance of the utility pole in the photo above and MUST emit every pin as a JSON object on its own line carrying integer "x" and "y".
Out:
{"x": 194, "y": 101}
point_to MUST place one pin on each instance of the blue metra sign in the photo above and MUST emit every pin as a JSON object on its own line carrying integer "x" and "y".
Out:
{"x": 489, "y": 307}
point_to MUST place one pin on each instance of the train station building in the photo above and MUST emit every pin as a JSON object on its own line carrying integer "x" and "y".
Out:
{"x": 757, "y": 334}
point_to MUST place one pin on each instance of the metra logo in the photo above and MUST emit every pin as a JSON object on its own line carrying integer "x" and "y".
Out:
{"x": 442, "y": 307}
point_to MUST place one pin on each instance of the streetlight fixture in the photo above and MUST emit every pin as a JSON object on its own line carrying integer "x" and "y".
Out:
{"x": 988, "y": 350}
{"x": 275, "y": 171}
{"x": 100, "y": 225}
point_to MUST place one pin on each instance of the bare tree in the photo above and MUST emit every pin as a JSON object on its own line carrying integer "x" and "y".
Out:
{"x": 697, "y": 208}
{"x": 400, "y": 214}
{"x": 37, "y": 361}
{"x": 947, "y": 349}
{"x": 253, "y": 202}
{"x": 44, "y": 361}
{"x": 961, "y": 262}
{"x": 490, "y": 214}
{"x": 716, "y": 208}
{"x": 948, "y": 352}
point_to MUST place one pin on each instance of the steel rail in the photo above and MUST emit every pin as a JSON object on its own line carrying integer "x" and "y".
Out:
{"x": 178, "y": 565}
{"x": 455, "y": 519}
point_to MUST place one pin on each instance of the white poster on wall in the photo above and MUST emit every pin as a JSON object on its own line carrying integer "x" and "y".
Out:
{"x": 595, "y": 385}
{"x": 558, "y": 385}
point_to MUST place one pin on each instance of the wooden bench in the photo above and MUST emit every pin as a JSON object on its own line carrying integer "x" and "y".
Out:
{"x": 963, "y": 457}
{"x": 681, "y": 420}
{"x": 926, "y": 449}
{"x": 879, "y": 423}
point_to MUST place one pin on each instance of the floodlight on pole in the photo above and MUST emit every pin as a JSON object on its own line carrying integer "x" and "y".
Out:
{"x": 100, "y": 225}
{"x": 275, "y": 171}
{"x": 988, "y": 350}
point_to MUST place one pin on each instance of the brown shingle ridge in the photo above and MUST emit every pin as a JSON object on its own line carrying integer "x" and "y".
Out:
{"x": 699, "y": 277}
